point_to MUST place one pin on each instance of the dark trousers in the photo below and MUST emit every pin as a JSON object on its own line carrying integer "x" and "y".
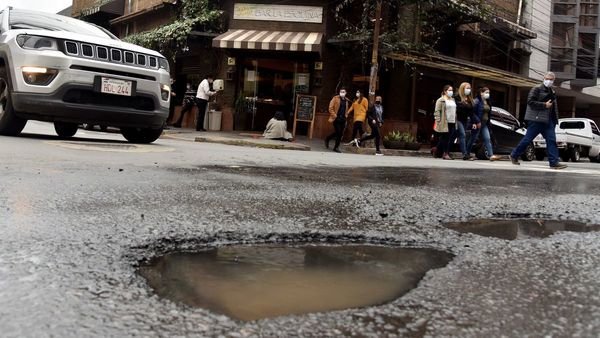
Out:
{"x": 446, "y": 139}
{"x": 187, "y": 106}
{"x": 548, "y": 132}
{"x": 339, "y": 126}
{"x": 375, "y": 134}
{"x": 201, "y": 112}
{"x": 358, "y": 128}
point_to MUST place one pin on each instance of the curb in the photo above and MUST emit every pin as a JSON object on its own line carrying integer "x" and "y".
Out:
{"x": 246, "y": 143}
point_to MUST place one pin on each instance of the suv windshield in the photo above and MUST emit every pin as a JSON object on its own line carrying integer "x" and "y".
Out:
{"x": 20, "y": 19}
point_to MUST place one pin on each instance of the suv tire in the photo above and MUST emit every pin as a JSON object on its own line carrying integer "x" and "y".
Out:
{"x": 65, "y": 130}
{"x": 10, "y": 124}
{"x": 141, "y": 135}
{"x": 481, "y": 153}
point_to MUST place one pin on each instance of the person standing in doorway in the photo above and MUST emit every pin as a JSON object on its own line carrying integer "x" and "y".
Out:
{"x": 359, "y": 107}
{"x": 542, "y": 117}
{"x": 375, "y": 120}
{"x": 339, "y": 107}
{"x": 481, "y": 123}
{"x": 445, "y": 120}
{"x": 202, "y": 96}
{"x": 464, "y": 111}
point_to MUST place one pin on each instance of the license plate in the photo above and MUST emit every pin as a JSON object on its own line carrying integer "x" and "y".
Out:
{"x": 115, "y": 86}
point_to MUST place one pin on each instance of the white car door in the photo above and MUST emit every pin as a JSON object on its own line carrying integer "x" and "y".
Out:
{"x": 595, "y": 149}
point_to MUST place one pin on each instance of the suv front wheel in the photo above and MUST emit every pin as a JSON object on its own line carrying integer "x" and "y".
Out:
{"x": 65, "y": 130}
{"x": 141, "y": 135}
{"x": 10, "y": 124}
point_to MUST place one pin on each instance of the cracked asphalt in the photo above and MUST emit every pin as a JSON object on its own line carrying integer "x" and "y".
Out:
{"x": 79, "y": 216}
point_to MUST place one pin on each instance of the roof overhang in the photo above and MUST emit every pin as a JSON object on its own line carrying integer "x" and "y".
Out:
{"x": 466, "y": 68}
{"x": 111, "y": 7}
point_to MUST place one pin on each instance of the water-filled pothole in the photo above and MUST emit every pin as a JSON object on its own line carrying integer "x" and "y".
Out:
{"x": 512, "y": 229}
{"x": 262, "y": 281}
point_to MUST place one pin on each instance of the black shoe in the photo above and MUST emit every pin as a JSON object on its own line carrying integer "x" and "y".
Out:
{"x": 176, "y": 125}
{"x": 514, "y": 161}
{"x": 201, "y": 129}
{"x": 327, "y": 143}
{"x": 337, "y": 150}
{"x": 558, "y": 166}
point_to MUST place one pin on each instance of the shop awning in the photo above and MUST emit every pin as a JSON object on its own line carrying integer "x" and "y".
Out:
{"x": 269, "y": 40}
{"x": 466, "y": 68}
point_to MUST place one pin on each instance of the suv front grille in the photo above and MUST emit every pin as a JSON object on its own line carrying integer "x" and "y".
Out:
{"x": 82, "y": 96}
{"x": 106, "y": 54}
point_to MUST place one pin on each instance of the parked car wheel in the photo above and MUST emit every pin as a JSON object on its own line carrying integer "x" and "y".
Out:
{"x": 575, "y": 154}
{"x": 529, "y": 153}
{"x": 66, "y": 130}
{"x": 10, "y": 124}
{"x": 482, "y": 154}
{"x": 139, "y": 135}
{"x": 540, "y": 154}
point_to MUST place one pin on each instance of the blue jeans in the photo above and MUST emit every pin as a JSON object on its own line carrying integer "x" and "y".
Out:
{"x": 487, "y": 141}
{"x": 533, "y": 130}
{"x": 460, "y": 131}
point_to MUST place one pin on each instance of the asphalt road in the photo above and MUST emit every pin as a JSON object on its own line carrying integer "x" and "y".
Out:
{"x": 79, "y": 215}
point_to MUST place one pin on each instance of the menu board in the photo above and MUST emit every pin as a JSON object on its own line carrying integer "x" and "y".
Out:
{"x": 306, "y": 106}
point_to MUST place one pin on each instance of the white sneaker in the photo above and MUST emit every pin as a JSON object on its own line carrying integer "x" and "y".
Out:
{"x": 357, "y": 143}
{"x": 378, "y": 154}
{"x": 351, "y": 143}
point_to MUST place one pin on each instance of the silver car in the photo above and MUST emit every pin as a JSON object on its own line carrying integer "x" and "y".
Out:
{"x": 62, "y": 70}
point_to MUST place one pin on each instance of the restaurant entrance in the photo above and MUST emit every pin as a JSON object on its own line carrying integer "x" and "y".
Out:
{"x": 268, "y": 86}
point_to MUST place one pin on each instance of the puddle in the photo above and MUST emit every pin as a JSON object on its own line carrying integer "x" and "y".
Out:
{"x": 254, "y": 282}
{"x": 512, "y": 229}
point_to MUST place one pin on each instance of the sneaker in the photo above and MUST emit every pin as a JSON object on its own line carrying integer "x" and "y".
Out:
{"x": 468, "y": 158}
{"x": 558, "y": 166}
{"x": 447, "y": 157}
{"x": 351, "y": 143}
{"x": 357, "y": 143}
{"x": 494, "y": 158}
{"x": 378, "y": 153}
{"x": 337, "y": 150}
{"x": 514, "y": 161}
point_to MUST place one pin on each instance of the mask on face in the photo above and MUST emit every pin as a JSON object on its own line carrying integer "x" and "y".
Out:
{"x": 450, "y": 93}
{"x": 342, "y": 94}
{"x": 357, "y": 94}
{"x": 548, "y": 83}
{"x": 468, "y": 91}
{"x": 486, "y": 96}
{"x": 377, "y": 102}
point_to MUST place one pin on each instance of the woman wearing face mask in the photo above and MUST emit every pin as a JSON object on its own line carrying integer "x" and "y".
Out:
{"x": 359, "y": 107}
{"x": 464, "y": 110}
{"x": 445, "y": 120}
{"x": 375, "y": 120}
{"x": 481, "y": 123}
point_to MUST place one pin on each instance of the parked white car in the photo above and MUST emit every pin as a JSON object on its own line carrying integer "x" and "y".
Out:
{"x": 62, "y": 70}
{"x": 575, "y": 138}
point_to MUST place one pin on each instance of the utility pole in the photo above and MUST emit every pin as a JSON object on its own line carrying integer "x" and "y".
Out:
{"x": 375, "y": 56}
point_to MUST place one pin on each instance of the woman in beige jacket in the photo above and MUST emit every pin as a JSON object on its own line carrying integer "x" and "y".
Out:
{"x": 445, "y": 120}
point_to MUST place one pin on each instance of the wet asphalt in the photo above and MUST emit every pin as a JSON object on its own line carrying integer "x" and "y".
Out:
{"x": 78, "y": 217}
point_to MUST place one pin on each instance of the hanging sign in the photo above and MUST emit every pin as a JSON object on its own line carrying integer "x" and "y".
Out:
{"x": 285, "y": 13}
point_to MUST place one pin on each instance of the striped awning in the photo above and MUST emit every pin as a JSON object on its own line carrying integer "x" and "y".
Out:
{"x": 269, "y": 40}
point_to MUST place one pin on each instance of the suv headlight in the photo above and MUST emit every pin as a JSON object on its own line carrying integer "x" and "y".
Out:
{"x": 164, "y": 64}
{"x": 36, "y": 42}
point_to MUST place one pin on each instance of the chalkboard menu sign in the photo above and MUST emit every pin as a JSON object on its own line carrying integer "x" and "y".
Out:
{"x": 306, "y": 106}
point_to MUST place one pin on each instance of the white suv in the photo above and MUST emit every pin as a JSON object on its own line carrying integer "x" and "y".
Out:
{"x": 59, "y": 69}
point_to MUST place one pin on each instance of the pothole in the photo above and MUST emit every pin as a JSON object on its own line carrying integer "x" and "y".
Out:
{"x": 515, "y": 229}
{"x": 111, "y": 147}
{"x": 250, "y": 282}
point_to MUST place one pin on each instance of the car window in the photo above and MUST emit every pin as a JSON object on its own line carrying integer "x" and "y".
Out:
{"x": 505, "y": 117}
{"x": 20, "y": 19}
{"x": 572, "y": 125}
{"x": 595, "y": 129}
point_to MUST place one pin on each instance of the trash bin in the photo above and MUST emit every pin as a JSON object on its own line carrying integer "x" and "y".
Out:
{"x": 214, "y": 120}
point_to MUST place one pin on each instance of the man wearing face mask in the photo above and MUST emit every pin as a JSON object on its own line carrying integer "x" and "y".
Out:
{"x": 338, "y": 112}
{"x": 542, "y": 118}
{"x": 205, "y": 91}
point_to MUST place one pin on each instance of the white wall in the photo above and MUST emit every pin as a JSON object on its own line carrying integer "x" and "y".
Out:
{"x": 537, "y": 16}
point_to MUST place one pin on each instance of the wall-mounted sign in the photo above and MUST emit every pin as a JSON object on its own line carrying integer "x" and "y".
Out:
{"x": 318, "y": 65}
{"x": 231, "y": 61}
{"x": 266, "y": 12}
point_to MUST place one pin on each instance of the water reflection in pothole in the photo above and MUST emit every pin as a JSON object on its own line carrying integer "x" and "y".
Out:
{"x": 253, "y": 282}
{"x": 512, "y": 229}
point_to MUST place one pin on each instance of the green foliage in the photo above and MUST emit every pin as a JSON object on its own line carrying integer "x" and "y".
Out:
{"x": 172, "y": 38}
{"x": 400, "y": 136}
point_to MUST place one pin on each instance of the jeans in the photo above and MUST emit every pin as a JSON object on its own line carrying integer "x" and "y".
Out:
{"x": 358, "y": 128}
{"x": 533, "y": 130}
{"x": 487, "y": 140}
{"x": 461, "y": 133}
{"x": 339, "y": 125}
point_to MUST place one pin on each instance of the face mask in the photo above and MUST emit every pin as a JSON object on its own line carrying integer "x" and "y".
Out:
{"x": 357, "y": 94}
{"x": 548, "y": 83}
{"x": 468, "y": 91}
{"x": 342, "y": 94}
{"x": 450, "y": 93}
{"x": 377, "y": 102}
{"x": 486, "y": 96}
{"x": 210, "y": 81}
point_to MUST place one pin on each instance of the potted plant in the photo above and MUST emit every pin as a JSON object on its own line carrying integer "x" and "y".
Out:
{"x": 394, "y": 140}
{"x": 411, "y": 142}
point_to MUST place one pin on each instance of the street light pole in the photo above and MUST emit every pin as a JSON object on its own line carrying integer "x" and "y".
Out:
{"x": 375, "y": 56}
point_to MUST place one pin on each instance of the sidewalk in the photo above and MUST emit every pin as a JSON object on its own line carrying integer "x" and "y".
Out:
{"x": 302, "y": 143}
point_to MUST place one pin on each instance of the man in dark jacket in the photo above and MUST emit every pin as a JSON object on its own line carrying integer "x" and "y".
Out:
{"x": 542, "y": 118}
